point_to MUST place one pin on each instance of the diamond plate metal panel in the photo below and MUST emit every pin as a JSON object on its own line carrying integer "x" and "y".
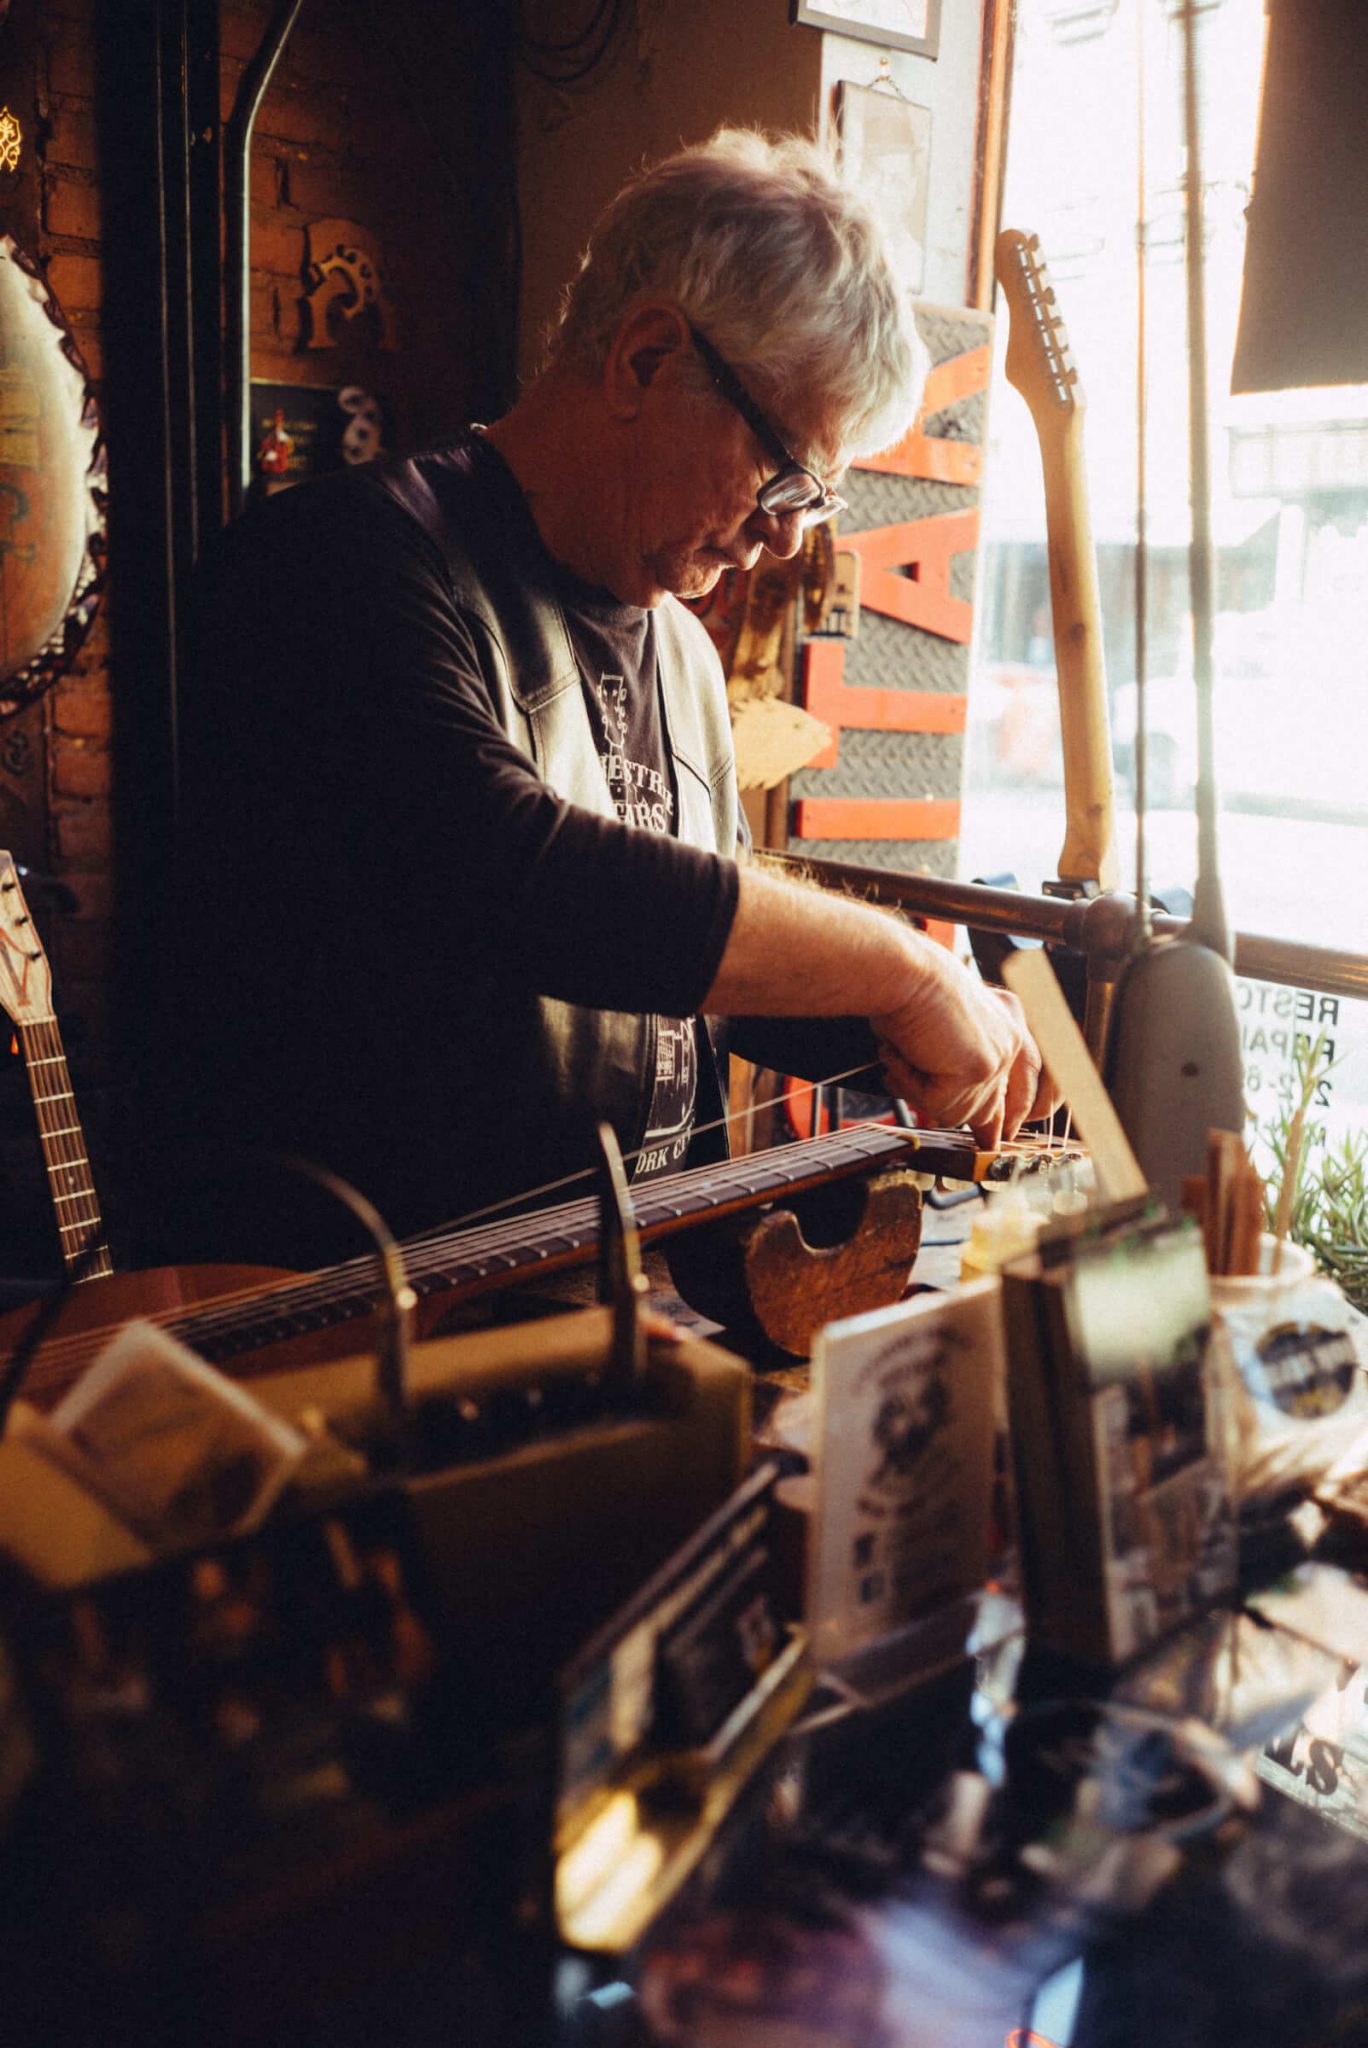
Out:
{"x": 905, "y": 856}
{"x": 891, "y": 656}
{"x": 887, "y": 764}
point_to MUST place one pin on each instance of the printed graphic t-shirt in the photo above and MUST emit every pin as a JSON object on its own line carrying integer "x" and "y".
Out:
{"x": 615, "y": 645}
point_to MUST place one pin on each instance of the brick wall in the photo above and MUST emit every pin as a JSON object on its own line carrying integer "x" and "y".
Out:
{"x": 385, "y": 132}
{"x": 395, "y": 127}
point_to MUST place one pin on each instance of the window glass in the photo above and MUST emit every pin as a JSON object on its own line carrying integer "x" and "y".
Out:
{"x": 1289, "y": 516}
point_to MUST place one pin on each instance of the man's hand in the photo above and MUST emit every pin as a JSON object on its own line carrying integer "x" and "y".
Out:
{"x": 956, "y": 1049}
{"x": 959, "y": 1051}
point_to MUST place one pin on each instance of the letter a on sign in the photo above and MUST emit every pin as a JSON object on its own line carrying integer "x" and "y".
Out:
{"x": 905, "y": 571}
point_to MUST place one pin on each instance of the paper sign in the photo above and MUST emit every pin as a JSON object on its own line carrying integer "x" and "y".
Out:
{"x": 905, "y": 1401}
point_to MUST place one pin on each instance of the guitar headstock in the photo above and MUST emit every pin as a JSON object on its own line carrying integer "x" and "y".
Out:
{"x": 25, "y": 977}
{"x": 1040, "y": 361}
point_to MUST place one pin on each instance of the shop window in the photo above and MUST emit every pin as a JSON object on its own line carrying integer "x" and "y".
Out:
{"x": 1289, "y": 511}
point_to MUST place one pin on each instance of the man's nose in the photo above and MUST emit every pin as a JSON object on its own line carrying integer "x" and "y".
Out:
{"x": 780, "y": 532}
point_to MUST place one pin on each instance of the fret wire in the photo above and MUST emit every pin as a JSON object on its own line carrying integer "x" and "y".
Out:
{"x": 502, "y": 1241}
{"x": 432, "y": 1255}
{"x": 63, "y": 1145}
{"x": 433, "y": 1252}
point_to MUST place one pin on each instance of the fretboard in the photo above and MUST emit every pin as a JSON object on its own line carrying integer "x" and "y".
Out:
{"x": 464, "y": 1263}
{"x": 72, "y": 1189}
{"x": 451, "y": 1266}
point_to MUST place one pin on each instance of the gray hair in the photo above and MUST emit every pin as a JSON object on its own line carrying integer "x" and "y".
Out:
{"x": 776, "y": 261}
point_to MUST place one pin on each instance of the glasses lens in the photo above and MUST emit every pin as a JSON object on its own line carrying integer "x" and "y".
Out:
{"x": 817, "y": 515}
{"x": 793, "y": 490}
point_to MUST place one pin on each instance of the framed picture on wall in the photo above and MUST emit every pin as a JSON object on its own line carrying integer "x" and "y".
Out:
{"x": 886, "y": 158}
{"x": 896, "y": 24}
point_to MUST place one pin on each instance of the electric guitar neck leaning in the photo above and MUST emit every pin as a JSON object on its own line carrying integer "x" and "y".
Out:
{"x": 1041, "y": 367}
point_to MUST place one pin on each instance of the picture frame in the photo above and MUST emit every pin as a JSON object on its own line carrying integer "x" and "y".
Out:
{"x": 886, "y": 158}
{"x": 893, "y": 24}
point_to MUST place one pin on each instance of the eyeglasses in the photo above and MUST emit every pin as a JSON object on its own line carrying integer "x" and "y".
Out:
{"x": 792, "y": 488}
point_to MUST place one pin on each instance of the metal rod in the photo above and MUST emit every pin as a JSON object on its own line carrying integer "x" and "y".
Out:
{"x": 1141, "y": 935}
{"x": 237, "y": 229}
{"x": 1099, "y": 926}
{"x": 1209, "y": 925}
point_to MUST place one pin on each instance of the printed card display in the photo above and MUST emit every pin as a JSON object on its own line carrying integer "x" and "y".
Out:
{"x": 1126, "y": 1526}
{"x": 905, "y": 1400}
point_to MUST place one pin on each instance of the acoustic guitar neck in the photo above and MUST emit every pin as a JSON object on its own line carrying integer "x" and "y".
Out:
{"x": 26, "y": 996}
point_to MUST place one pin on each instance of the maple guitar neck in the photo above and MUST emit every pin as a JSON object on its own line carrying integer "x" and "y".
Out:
{"x": 26, "y": 995}
{"x": 1041, "y": 367}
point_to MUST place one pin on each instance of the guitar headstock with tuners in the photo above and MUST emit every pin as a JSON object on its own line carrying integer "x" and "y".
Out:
{"x": 1039, "y": 361}
{"x": 25, "y": 977}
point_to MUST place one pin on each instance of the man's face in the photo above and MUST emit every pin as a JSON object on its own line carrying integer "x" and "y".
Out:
{"x": 696, "y": 512}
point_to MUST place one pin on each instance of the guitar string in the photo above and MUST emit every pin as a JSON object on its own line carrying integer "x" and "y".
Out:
{"x": 47, "y": 1099}
{"x": 421, "y": 1248}
{"x": 430, "y": 1252}
{"x": 300, "y": 1295}
{"x": 63, "y": 1146}
{"x": 587, "y": 1173}
{"x": 321, "y": 1295}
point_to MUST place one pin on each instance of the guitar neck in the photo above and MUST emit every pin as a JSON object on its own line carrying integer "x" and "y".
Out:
{"x": 1040, "y": 364}
{"x": 250, "y": 1331}
{"x": 459, "y": 1265}
{"x": 65, "y": 1156}
{"x": 1089, "y": 853}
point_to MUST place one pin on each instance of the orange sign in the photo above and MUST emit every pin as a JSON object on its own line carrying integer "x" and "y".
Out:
{"x": 905, "y": 571}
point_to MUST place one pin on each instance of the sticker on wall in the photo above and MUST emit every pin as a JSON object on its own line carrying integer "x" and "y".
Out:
{"x": 302, "y": 430}
{"x": 343, "y": 280}
{"x": 11, "y": 140}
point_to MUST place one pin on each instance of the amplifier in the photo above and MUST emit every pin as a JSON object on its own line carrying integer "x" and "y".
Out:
{"x": 299, "y": 1783}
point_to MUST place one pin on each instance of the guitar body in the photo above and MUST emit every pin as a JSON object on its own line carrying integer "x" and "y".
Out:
{"x": 101, "y": 1306}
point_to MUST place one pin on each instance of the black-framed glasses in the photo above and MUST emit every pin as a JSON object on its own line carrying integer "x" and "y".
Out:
{"x": 793, "y": 487}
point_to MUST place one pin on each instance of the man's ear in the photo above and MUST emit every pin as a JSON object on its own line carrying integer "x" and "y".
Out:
{"x": 649, "y": 339}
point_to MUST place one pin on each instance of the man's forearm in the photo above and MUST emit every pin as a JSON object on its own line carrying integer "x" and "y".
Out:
{"x": 794, "y": 951}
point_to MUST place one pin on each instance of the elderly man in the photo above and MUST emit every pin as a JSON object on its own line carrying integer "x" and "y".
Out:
{"x": 463, "y": 866}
